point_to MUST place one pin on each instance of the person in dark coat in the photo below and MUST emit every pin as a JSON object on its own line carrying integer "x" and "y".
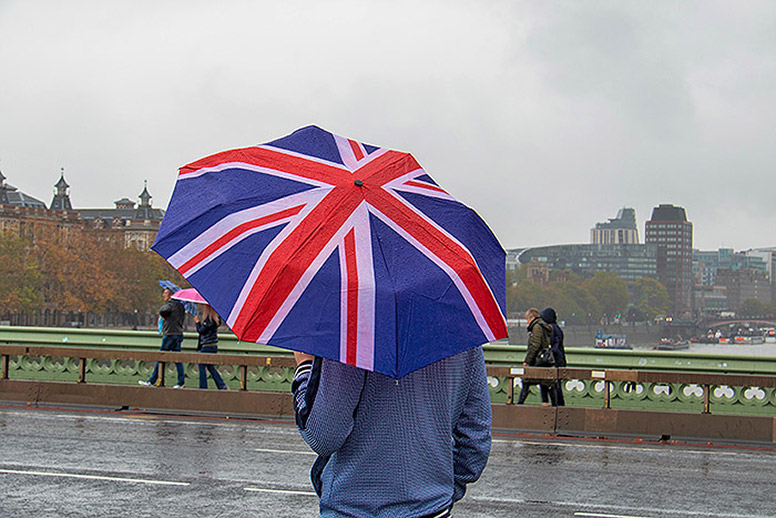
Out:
{"x": 539, "y": 337}
{"x": 173, "y": 314}
{"x": 207, "y": 327}
{"x": 558, "y": 352}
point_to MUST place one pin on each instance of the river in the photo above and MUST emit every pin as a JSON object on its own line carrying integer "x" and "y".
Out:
{"x": 732, "y": 349}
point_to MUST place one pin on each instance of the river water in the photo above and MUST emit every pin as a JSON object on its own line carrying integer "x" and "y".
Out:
{"x": 732, "y": 349}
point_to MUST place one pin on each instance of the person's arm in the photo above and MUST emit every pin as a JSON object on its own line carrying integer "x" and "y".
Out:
{"x": 326, "y": 394}
{"x": 166, "y": 310}
{"x": 534, "y": 344}
{"x": 471, "y": 434}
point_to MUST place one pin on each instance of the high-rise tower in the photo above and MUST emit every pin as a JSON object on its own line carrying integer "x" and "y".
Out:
{"x": 672, "y": 233}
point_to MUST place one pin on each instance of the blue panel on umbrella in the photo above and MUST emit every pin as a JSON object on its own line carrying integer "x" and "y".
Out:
{"x": 221, "y": 281}
{"x": 385, "y": 310}
{"x": 310, "y": 140}
{"x": 369, "y": 149}
{"x": 468, "y": 228}
{"x": 426, "y": 178}
{"x": 202, "y": 201}
{"x": 313, "y": 324}
{"x": 430, "y": 309}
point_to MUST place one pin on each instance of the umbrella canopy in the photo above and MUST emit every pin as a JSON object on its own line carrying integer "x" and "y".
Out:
{"x": 174, "y": 288}
{"x": 189, "y": 295}
{"x": 325, "y": 245}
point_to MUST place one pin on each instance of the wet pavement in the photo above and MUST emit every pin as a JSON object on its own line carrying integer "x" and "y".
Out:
{"x": 66, "y": 462}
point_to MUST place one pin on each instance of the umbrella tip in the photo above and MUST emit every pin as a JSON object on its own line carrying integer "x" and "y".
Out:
{"x": 358, "y": 182}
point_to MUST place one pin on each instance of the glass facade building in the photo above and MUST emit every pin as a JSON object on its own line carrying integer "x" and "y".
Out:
{"x": 629, "y": 261}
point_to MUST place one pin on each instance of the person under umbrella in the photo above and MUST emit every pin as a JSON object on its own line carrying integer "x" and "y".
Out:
{"x": 173, "y": 313}
{"x": 207, "y": 328}
{"x": 383, "y": 284}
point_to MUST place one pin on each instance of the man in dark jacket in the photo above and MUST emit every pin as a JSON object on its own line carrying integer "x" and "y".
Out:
{"x": 539, "y": 338}
{"x": 558, "y": 352}
{"x": 173, "y": 313}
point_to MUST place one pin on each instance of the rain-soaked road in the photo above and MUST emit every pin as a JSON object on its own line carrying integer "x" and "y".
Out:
{"x": 56, "y": 462}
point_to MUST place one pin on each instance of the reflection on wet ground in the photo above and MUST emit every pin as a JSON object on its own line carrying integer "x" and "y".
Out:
{"x": 76, "y": 463}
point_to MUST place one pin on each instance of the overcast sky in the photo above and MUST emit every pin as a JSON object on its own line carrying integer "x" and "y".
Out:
{"x": 546, "y": 117}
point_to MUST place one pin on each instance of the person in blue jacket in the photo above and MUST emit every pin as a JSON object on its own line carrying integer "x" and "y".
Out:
{"x": 389, "y": 447}
{"x": 558, "y": 352}
{"x": 207, "y": 327}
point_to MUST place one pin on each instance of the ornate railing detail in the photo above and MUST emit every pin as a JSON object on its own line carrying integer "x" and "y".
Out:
{"x": 672, "y": 395}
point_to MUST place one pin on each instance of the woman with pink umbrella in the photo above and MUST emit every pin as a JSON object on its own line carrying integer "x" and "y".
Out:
{"x": 207, "y": 323}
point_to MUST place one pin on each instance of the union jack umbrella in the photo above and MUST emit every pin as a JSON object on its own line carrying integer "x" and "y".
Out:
{"x": 325, "y": 245}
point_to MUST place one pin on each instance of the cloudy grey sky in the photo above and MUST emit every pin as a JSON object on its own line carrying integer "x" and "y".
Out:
{"x": 546, "y": 117}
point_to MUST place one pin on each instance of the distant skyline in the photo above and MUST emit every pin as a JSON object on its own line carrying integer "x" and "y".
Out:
{"x": 546, "y": 117}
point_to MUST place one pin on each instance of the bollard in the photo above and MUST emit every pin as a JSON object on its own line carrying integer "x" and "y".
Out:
{"x": 81, "y": 370}
{"x": 707, "y": 399}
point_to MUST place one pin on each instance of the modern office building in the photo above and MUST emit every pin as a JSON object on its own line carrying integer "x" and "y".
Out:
{"x": 743, "y": 284}
{"x": 669, "y": 230}
{"x": 705, "y": 264}
{"x": 710, "y": 300}
{"x": 616, "y": 231}
{"x": 629, "y": 261}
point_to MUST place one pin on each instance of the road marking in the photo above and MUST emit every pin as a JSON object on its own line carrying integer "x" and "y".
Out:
{"x": 297, "y": 452}
{"x": 613, "y": 447}
{"x": 282, "y": 491}
{"x": 613, "y": 508}
{"x": 94, "y": 477}
{"x": 153, "y": 419}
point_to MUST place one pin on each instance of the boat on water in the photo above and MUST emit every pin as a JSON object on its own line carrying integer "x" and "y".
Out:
{"x": 670, "y": 344}
{"x": 610, "y": 341}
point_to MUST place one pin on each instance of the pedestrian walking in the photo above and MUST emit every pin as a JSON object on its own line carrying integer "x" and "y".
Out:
{"x": 207, "y": 328}
{"x": 173, "y": 313}
{"x": 538, "y": 339}
{"x": 558, "y": 351}
{"x": 384, "y": 445}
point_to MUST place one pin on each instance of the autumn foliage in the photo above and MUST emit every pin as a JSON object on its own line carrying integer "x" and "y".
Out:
{"x": 79, "y": 273}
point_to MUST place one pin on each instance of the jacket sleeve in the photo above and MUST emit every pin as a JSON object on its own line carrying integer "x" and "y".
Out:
{"x": 534, "y": 344}
{"x": 166, "y": 310}
{"x": 326, "y": 395}
{"x": 471, "y": 435}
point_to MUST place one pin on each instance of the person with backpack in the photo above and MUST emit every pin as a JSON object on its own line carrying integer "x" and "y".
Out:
{"x": 558, "y": 352}
{"x": 538, "y": 340}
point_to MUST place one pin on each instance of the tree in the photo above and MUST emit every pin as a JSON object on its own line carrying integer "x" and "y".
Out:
{"x": 650, "y": 298}
{"x": 582, "y": 305}
{"x": 20, "y": 279}
{"x": 610, "y": 291}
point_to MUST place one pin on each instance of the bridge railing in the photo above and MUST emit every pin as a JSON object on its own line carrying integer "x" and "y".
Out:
{"x": 680, "y": 392}
{"x": 79, "y": 383}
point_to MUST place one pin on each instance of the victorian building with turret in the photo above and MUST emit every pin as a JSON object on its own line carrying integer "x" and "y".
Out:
{"x": 127, "y": 223}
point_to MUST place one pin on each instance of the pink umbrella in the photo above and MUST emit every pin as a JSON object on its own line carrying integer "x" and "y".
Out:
{"x": 189, "y": 295}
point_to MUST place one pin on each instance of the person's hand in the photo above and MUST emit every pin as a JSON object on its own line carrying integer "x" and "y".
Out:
{"x": 301, "y": 357}
{"x": 196, "y": 319}
{"x": 525, "y": 364}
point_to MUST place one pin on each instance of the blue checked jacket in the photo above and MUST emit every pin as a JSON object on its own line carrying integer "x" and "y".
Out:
{"x": 394, "y": 447}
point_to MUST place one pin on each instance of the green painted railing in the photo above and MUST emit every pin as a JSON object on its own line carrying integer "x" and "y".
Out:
{"x": 583, "y": 393}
